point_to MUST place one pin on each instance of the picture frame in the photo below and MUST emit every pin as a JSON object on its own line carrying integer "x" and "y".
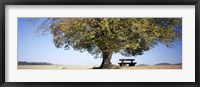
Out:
{"x": 98, "y": 2}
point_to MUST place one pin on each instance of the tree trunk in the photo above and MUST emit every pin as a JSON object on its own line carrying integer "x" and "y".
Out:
{"x": 106, "y": 63}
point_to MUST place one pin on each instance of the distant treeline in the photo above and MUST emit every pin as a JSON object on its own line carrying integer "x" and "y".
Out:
{"x": 33, "y": 63}
{"x": 168, "y": 64}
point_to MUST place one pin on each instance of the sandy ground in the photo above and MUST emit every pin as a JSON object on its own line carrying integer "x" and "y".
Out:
{"x": 90, "y": 67}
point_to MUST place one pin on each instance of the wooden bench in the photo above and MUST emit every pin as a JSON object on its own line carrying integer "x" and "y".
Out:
{"x": 124, "y": 63}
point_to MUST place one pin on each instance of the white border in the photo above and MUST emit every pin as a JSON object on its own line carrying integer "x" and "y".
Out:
{"x": 187, "y": 74}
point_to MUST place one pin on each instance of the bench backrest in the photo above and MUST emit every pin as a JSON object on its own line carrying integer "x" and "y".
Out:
{"x": 126, "y": 59}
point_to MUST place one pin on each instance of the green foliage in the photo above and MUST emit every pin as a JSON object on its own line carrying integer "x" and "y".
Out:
{"x": 128, "y": 36}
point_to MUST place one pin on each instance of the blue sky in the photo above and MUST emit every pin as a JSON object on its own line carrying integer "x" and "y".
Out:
{"x": 33, "y": 47}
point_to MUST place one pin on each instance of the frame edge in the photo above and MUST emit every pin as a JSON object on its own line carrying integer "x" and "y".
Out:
{"x": 2, "y": 43}
{"x": 197, "y": 36}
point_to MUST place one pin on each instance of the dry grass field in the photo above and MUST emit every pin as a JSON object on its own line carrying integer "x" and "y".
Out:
{"x": 52, "y": 67}
{"x": 63, "y": 67}
{"x": 154, "y": 67}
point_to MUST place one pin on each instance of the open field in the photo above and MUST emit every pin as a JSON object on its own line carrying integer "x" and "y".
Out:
{"x": 62, "y": 67}
{"x": 52, "y": 67}
{"x": 154, "y": 67}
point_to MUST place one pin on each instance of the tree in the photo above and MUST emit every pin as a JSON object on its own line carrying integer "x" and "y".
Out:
{"x": 103, "y": 37}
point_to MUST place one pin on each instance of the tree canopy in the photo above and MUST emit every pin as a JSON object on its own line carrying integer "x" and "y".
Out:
{"x": 99, "y": 36}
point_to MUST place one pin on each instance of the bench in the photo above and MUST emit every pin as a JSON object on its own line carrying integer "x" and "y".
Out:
{"x": 124, "y": 63}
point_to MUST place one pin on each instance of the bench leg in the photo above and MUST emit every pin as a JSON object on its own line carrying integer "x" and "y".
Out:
{"x": 123, "y": 64}
{"x": 130, "y": 64}
{"x": 120, "y": 64}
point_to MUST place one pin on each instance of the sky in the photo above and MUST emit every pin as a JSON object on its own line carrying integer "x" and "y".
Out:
{"x": 33, "y": 47}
